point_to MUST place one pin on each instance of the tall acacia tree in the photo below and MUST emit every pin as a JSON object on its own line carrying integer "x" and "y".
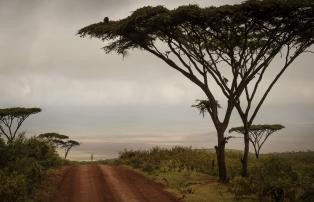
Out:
{"x": 224, "y": 47}
{"x": 11, "y": 120}
{"x": 278, "y": 29}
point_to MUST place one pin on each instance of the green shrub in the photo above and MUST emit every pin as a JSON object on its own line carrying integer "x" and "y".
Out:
{"x": 241, "y": 186}
{"x": 307, "y": 192}
{"x": 13, "y": 187}
{"x": 149, "y": 168}
{"x": 33, "y": 148}
{"x": 23, "y": 164}
{"x": 275, "y": 180}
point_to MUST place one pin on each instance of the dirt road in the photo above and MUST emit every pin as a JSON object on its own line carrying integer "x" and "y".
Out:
{"x": 101, "y": 183}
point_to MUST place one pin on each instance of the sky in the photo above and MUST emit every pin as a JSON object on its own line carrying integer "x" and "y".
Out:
{"x": 108, "y": 102}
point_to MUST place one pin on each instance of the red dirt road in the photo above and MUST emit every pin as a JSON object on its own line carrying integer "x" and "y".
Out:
{"x": 101, "y": 183}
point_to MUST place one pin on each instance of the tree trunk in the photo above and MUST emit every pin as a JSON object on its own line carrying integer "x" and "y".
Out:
{"x": 220, "y": 152}
{"x": 255, "y": 150}
{"x": 66, "y": 153}
{"x": 244, "y": 160}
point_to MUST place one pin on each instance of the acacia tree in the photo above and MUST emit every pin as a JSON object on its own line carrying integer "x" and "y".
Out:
{"x": 284, "y": 31}
{"x": 60, "y": 141}
{"x": 224, "y": 47}
{"x": 258, "y": 134}
{"x": 11, "y": 120}
{"x": 68, "y": 145}
{"x": 57, "y": 140}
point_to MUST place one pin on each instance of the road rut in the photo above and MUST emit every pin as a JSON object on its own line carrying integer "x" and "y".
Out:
{"x": 102, "y": 183}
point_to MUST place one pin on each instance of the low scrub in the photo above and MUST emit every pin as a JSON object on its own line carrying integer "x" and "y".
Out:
{"x": 178, "y": 159}
{"x": 23, "y": 165}
{"x": 274, "y": 177}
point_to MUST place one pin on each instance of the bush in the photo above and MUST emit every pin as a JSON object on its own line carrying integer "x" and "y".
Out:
{"x": 275, "y": 180}
{"x": 32, "y": 148}
{"x": 13, "y": 187}
{"x": 23, "y": 164}
{"x": 241, "y": 186}
{"x": 307, "y": 185}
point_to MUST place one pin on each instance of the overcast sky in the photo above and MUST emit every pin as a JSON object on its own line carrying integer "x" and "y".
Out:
{"x": 116, "y": 102}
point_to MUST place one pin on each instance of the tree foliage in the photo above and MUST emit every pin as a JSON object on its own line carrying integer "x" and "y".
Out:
{"x": 54, "y": 138}
{"x": 60, "y": 141}
{"x": 258, "y": 134}
{"x": 11, "y": 120}
{"x": 203, "y": 106}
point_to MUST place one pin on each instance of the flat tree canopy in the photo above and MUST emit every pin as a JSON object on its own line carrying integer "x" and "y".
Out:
{"x": 68, "y": 146}
{"x": 271, "y": 127}
{"x": 229, "y": 47}
{"x": 52, "y": 136}
{"x": 258, "y": 134}
{"x": 55, "y": 138}
{"x": 18, "y": 111}
{"x": 14, "y": 117}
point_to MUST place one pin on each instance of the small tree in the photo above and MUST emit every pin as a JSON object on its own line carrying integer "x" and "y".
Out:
{"x": 227, "y": 48}
{"x": 68, "y": 145}
{"x": 258, "y": 134}
{"x": 11, "y": 120}
{"x": 60, "y": 141}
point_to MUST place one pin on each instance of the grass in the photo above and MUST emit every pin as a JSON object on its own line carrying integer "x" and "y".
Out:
{"x": 191, "y": 186}
{"x": 191, "y": 176}
{"x": 194, "y": 186}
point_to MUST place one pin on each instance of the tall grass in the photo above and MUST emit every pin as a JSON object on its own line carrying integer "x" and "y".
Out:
{"x": 274, "y": 177}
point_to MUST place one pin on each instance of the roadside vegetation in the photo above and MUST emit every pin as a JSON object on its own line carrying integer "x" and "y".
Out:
{"x": 25, "y": 163}
{"x": 192, "y": 174}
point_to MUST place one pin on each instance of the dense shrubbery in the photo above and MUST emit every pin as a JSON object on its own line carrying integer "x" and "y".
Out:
{"x": 275, "y": 180}
{"x": 275, "y": 177}
{"x": 272, "y": 179}
{"x": 23, "y": 164}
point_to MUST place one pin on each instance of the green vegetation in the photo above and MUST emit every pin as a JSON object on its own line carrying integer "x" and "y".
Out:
{"x": 229, "y": 48}
{"x": 11, "y": 120}
{"x": 60, "y": 141}
{"x": 192, "y": 174}
{"x": 24, "y": 162}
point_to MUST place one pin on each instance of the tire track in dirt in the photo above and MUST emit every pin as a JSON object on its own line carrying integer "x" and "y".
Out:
{"x": 101, "y": 183}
